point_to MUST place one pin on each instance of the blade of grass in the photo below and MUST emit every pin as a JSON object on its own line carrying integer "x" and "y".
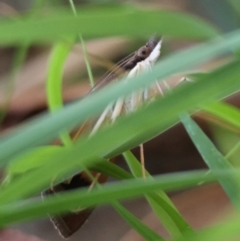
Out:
{"x": 213, "y": 158}
{"x": 37, "y": 157}
{"x": 227, "y": 230}
{"x": 228, "y": 143}
{"x": 94, "y": 22}
{"x": 143, "y": 230}
{"x": 32, "y": 159}
{"x": 18, "y": 60}
{"x": 160, "y": 203}
{"x": 13, "y": 212}
{"x": 134, "y": 222}
{"x": 83, "y": 48}
{"x": 225, "y": 112}
{"x": 112, "y": 170}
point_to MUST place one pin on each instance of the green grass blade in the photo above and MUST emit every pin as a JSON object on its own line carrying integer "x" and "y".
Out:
{"x": 213, "y": 158}
{"x": 13, "y": 212}
{"x": 38, "y": 157}
{"x": 112, "y": 170}
{"x": 228, "y": 143}
{"x": 143, "y": 230}
{"x": 135, "y": 223}
{"x": 90, "y": 76}
{"x": 94, "y": 22}
{"x": 225, "y": 112}
{"x": 34, "y": 158}
{"x": 228, "y": 230}
{"x": 160, "y": 203}
{"x": 169, "y": 215}
{"x": 17, "y": 62}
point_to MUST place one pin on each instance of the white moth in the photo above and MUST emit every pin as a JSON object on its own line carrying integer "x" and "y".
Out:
{"x": 129, "y": 104}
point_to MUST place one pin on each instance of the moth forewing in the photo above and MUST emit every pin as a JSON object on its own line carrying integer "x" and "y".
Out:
{"x": 131, "y": 66}
{"x": 138, "y": 97}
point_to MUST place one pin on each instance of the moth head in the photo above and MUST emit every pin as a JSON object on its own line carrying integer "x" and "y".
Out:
{"x": 144, "y": 52}
{"x": 153, "y": 41}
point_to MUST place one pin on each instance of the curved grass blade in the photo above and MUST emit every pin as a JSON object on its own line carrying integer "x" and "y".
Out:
{"x": 54, "y": 80}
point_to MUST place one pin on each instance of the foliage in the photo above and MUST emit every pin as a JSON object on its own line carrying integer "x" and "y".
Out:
{"x": 21, "y": 151}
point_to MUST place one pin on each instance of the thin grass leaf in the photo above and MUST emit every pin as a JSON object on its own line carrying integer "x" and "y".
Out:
{"x": 47, "y": 127}
{"x": 227, "y": 230}
{"x": 160, "y": 203}
{"x": 213, "y": 158}
{"x": 228, "y": 143}
{"x": 134, "y": 222}
{"x": 32, "y": 159}
{"x": 224, "y": 112}
{"x": 38, "y": 157}
{"x": 174, "y": 222}
{"x": 94, "y": 22}
{"x": 18, "y": 211}
{"x": 112, "y": 170}
{"x": 17, "y": 62}
{"x": 142, "y": 229}
{"x": 86, "y": 59}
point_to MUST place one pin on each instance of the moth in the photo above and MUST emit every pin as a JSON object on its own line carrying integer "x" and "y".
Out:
{"x": 137, "y": 62}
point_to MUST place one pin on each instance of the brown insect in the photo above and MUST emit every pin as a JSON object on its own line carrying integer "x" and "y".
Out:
{"x": 139, "y": 61}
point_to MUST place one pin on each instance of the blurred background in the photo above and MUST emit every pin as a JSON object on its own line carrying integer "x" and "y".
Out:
{"x": 22, "y": 96}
